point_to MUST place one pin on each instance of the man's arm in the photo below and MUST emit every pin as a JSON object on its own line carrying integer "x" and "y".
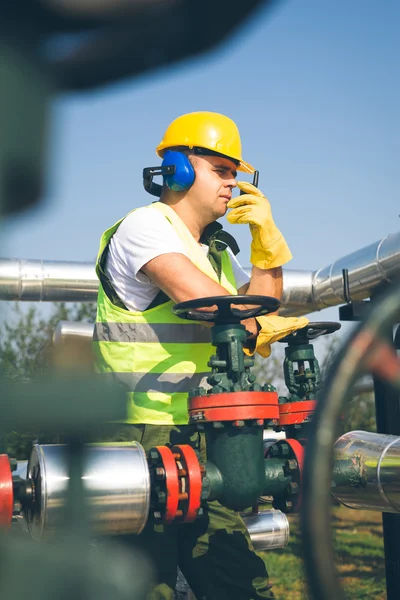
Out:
{"x": 267, "y": 282}
{"x": 181, "y": 280}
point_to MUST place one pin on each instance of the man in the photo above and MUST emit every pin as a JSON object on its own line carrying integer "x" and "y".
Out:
{"x": 166, "y": 253}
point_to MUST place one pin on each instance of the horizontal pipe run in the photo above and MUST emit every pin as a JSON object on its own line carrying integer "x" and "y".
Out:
{"x": 47, "y": 281}
{"x": 303, "y": 291}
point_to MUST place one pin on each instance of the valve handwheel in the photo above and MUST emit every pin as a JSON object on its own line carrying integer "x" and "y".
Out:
{"x": 225, "y": 313}
{"x": 311, "y": 332}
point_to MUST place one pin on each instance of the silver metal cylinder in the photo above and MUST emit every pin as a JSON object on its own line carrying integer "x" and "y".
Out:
{"x": 70, "y": 331}
{"x": 53, "y": 281}
{"x": 303, "y": 291}
{"x": 366, "y": 472}
{"x": 116, "y": 482}
{"x": 268, "y": 529}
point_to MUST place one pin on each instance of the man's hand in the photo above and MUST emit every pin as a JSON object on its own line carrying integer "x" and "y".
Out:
{"x": 268, "y": 247}
{"x": 274, "y": 328}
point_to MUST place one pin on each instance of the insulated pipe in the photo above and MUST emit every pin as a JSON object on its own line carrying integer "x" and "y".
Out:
{"x": 303, "y": 291}
{"x": 71, "y": 331}
{"x": 116, "y": 483}
{"x": 268, "y": 529}
{"x": 368, "y": 268}
{"x": 366, "y": 472}
{"x": 47, "y": 281}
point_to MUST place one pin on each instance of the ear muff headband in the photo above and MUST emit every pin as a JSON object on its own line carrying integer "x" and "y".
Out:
{"x": 184, "y": 175}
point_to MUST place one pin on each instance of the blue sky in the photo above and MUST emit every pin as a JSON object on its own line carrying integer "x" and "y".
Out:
{"x": 314, "y": 88}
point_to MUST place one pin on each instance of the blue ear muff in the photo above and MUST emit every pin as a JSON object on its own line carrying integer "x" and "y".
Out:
{"x": 184, "y": 174}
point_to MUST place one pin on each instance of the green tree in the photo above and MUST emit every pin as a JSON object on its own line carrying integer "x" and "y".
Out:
{"x": 25, "y": 339}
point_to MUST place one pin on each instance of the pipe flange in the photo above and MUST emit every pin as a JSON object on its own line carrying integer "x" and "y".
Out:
{"x": 6, "y": 493}
{"x": 235, "y": 407}
{"x": 293, "y": 452}
{"x": 191, "y": 477}
{"x": 165, "y": 483}
{"x": 296, "y": 413}
{"x": 176, "y": 483}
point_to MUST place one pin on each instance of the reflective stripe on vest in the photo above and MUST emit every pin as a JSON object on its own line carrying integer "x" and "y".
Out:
{"x": 161, "y": 333}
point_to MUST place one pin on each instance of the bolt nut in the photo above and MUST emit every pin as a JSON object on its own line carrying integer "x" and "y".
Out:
{"x": 238, "y": 423}
{"x": 217, "y": 425}
{"x": 160, "y": 473}
{"x": 290, "y": 465}
{"x": 161, "y": 497}
{"x": 284, "y": 449}
{"x": 288, "y": 505}
{"x": 273, "y": 450}
{"x": 293, "y": 488}
{"x": 157, "y": 515}
{"x": 200, "y": 512}
{"x": 153, "y": 456}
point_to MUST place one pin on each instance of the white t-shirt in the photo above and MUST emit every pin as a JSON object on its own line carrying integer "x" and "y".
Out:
{"x": 138, "y": 240}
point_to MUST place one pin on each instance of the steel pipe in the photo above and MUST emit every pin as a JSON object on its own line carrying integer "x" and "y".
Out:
{"x": 47, "y": 281}
{"x": 71, "y": 331}
{"x": 268, "y": 529}
{"x": 116, "y": 484}
{"x": 366, "y": 472}
{"x": 368, "y": 268}
{"x": 303, "y": 291}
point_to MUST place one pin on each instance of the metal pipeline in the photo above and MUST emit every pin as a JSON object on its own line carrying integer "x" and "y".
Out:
{"x": 47, "y": 281}
{"x": 116, "y": 483}
{"x": 366, "y": 473}
{"x": 71, "y": 331}
{"x": 268, "y": 529}
{"x": 367, "y": 268}
{"x": 303, "y": 291}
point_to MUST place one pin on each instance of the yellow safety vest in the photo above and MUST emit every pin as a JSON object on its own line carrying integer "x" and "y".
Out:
{"x": 156, "y": 355}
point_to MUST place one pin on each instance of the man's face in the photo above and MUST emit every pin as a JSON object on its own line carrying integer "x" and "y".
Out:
{"x": 212, "y": 188}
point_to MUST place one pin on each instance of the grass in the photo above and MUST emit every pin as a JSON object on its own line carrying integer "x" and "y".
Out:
{"x": 359, "y": 557}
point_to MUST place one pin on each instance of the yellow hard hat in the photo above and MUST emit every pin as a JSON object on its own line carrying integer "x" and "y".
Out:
{"x": 207, "y": 130}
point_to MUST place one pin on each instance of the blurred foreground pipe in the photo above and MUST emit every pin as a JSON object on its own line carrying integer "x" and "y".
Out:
{"x": 303, "y": 291}
{"x": 366, "y": 473}
{"x": 268, "y": 529}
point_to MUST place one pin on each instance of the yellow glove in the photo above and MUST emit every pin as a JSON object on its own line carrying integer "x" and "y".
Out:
{"x": 274, "y": 328}
{"x": 268, "y": 248}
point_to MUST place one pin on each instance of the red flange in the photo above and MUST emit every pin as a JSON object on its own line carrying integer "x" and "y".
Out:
{"x": 193, "y": 481}
{"x": 298, "y": 451}
{"x": 241, "y": 413}
{"x": 234, "y": 406}
{"x": 6, "y": 492}
{"x": 232, "y": 399}
{"x": 292, "y": 413}
{"x": 171, "y": 482}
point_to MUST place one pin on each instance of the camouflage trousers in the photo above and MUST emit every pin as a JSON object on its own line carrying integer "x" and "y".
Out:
{"x": 214, "y": 552}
